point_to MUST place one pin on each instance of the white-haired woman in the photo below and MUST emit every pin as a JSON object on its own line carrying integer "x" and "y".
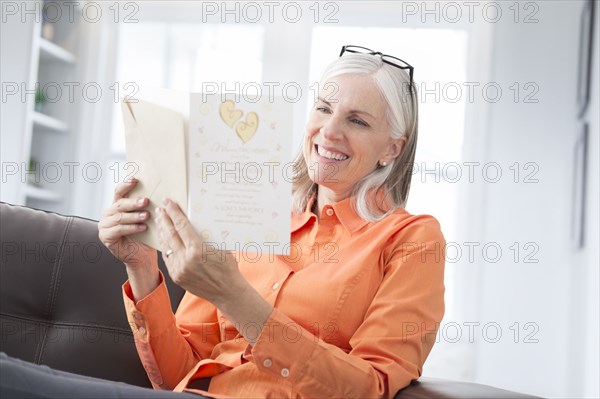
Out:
{"x": 352, "y": 312}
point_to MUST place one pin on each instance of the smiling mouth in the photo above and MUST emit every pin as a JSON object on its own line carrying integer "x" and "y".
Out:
{"x": 331, "y": 155}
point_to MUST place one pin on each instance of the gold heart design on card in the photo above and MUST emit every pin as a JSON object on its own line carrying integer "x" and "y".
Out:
{"x": 205, "y": 234}
{"x": 245, "y": 130}
{"x": 228, "y": 113}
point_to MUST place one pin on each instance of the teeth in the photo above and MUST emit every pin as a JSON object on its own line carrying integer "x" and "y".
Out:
{"x": 331, "y": 155}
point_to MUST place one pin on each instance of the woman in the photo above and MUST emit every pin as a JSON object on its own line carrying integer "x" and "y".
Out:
{"x": 351, "y": 312}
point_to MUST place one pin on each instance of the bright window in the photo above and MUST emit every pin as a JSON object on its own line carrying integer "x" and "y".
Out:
{"x": 181, "y": 56}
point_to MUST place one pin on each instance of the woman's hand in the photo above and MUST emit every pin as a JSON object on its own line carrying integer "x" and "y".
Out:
{"x": 193, "y": 264}
{"x": 207, "y": 272}
{"x": 125, "y": 217}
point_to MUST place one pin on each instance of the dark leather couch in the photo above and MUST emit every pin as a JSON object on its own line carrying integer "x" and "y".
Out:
{"x": 61, "y": 304}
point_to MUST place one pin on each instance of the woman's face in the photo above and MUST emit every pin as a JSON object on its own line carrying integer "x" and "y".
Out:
{"x": 347, "y": 134}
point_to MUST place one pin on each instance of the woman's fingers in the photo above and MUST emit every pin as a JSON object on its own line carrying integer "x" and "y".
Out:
{"x": 180, "y": 223}
{"x": 127, "y": 205}
{"x": 124, "y": 188}
{"x": 125, "y": 229}
{"x": 127, "y": 216}
{"x": 124, "y": 218}
{"x": 116, "y": 224}
{"x": 169, "y": 236}
{"x": 115, "y": 233}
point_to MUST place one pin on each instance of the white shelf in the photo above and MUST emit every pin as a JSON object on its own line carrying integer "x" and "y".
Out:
{"x": 50, "y": 51}
{"x": 41, "y": 193}
{"x": 48, "y": 122}
{"x": 49, "y": 136}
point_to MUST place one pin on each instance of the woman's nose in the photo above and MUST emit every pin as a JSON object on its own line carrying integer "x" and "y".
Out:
{"x": 332, "y": 131}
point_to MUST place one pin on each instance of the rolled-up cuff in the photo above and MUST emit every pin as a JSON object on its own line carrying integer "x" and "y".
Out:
{"x": 152, "y": 315}
{"x": 279, "y": 337}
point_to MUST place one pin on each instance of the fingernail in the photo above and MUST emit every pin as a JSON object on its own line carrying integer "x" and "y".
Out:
{"x": 140, "y": 201}
{"x": 165, "y": 201}
{"x": 142, "y": 215}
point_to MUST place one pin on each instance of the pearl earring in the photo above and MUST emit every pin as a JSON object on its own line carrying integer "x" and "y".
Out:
{"x": 384, "y": 163}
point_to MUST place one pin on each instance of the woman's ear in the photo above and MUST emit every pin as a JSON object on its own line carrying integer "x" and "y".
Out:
{"x": 395, "y": 148}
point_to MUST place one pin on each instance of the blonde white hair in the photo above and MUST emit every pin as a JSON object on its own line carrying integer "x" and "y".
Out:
{"x": 393, "y": 180}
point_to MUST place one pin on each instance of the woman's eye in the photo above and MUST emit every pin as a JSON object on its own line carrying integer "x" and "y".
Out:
{"x": 323, "y": 109}
{"x": 359, "y": 122}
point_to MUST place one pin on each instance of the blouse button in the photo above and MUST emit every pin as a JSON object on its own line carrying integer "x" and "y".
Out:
{"x": 275, "y": 286}
{"x": 329, "y": 212}
{"x": 267, "y": 363}
{"x": 285, "y": 372}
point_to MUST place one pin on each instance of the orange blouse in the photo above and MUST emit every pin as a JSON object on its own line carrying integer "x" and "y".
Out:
{"x": 356, "y": 310}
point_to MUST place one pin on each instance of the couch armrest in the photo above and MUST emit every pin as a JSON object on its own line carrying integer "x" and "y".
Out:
{"x": 427, "y": 388}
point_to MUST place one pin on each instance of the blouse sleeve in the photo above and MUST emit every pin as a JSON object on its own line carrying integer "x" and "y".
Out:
{"x": 169, "y": 349}
{"x": 389, "y": 348}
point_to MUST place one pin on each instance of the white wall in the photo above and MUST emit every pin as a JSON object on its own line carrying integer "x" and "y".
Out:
{"x": 564, "y": 360}
{"x": 587, "y": 370}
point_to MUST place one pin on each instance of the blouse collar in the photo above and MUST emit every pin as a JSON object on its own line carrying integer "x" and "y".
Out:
{"x": 344, "y": 210}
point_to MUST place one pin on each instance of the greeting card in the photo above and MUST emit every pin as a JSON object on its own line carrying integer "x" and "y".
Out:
{"x": 239, "y": 172}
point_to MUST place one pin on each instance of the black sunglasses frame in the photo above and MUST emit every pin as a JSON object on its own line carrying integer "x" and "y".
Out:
{"x": 350, "y": 49}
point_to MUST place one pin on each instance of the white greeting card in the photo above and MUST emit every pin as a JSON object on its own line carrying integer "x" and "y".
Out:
{"x": 239, "y": 172}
